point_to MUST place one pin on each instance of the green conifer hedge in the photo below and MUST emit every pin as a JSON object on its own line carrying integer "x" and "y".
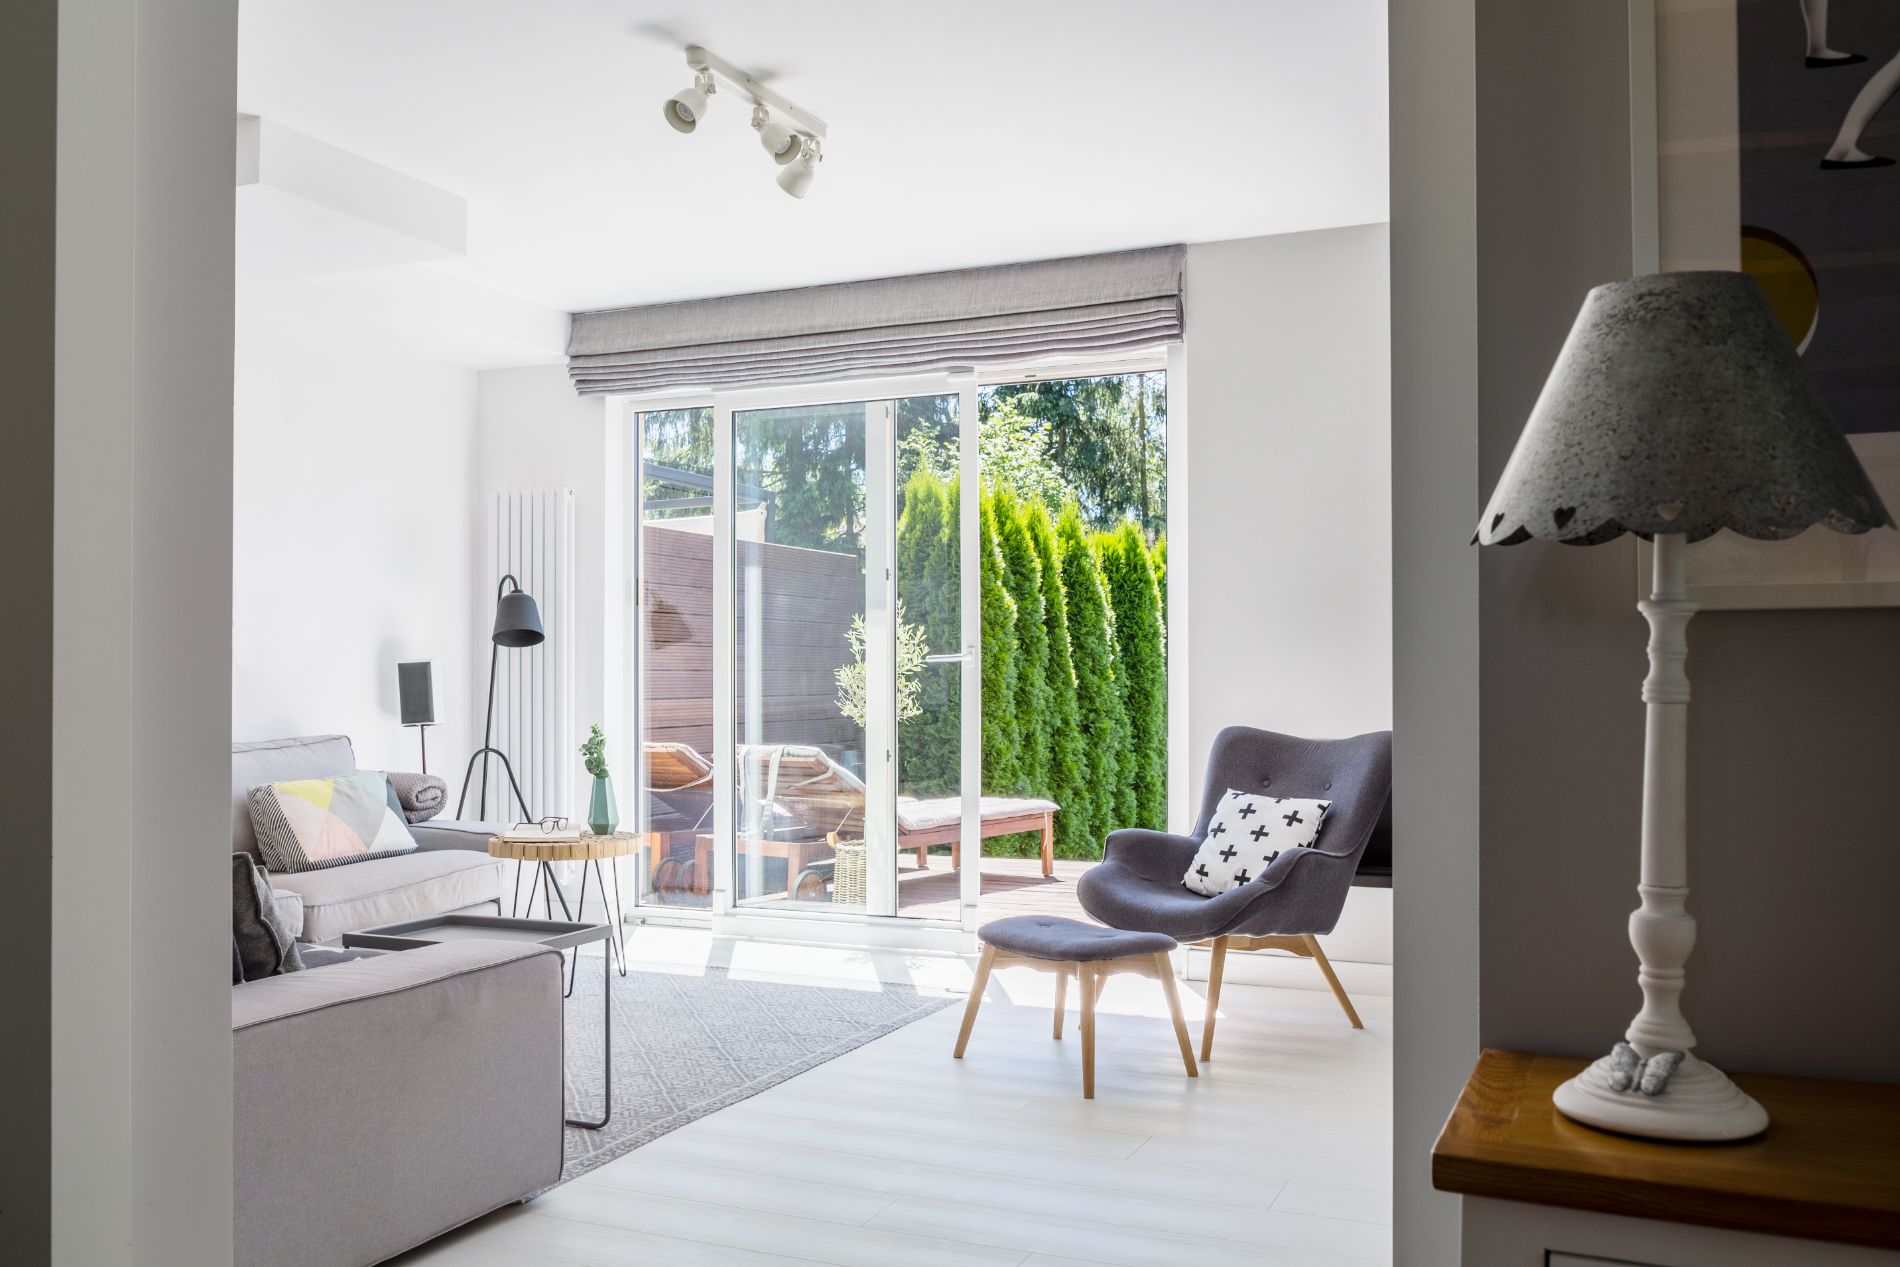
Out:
{"x": 1092, "y": 652}
{"x": 1136, "y": 606}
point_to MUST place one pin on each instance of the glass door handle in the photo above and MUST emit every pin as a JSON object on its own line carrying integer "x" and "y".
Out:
{"x": 954, "y": 657}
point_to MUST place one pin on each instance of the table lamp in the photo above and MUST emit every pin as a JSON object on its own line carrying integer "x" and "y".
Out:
{"x": 1676, "y": 408}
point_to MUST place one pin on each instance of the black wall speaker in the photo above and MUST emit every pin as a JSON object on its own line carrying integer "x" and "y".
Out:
{"x": 415, "y": 684}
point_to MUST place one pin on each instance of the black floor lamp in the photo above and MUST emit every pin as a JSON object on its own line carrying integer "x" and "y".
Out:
{"x": 517, "y": 624}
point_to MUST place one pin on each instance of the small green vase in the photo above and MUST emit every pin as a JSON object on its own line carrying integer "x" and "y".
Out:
{"x": 603, "y": 814}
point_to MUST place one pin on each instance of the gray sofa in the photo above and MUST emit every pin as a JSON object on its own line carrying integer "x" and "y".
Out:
{"x": 450, "y": 871}
{"x": 382, "y": 1101}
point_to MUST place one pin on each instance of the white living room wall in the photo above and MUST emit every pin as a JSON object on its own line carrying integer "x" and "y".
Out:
{"x": 1283, "y": 514}
{"x": 534, "y": 432}
{"x": 354, "y": 521}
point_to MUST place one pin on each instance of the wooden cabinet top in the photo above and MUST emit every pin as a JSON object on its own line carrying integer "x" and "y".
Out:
{"x": 1828, "y": 1167}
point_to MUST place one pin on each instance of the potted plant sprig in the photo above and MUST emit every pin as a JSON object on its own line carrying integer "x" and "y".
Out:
{"x": 603, "y": 812}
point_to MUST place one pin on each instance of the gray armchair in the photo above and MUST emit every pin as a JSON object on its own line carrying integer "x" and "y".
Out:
{"x": 1293, "y": 902}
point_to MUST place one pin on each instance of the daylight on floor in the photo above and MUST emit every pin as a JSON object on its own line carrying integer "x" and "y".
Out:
{"x": 862, "y": 634}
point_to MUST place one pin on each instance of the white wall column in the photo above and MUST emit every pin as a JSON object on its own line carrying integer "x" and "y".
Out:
{"x": 141, "y": 1044}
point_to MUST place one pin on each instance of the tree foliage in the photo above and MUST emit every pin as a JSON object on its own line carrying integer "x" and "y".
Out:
{"x": 1068, "y": 756}
{"x": 1159, "y": 556}
{"x": 853, "y": 701}
{"x": 1002, "y": 756}
{"x": 1092, "y": 652}
{"x": 1015, "y": 455}
{"x": 1129, "y": 579}
{"x": 928, "y": 575}
{"x": 1022, "y": 574}
{"x": 1107, "y": 437}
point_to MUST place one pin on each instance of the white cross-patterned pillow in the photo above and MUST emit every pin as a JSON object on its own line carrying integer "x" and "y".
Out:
{"x": 1248, "y": 832}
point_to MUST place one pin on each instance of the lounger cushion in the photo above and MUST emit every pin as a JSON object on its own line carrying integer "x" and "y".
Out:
{"x": 943, "y": 811}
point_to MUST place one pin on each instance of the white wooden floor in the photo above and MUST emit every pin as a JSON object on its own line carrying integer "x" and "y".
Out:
{"x": 898, "y": 1156}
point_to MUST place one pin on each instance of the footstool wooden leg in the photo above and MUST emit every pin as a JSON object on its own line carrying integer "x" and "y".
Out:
{"x": 1090, "y": 984}
{"x": 1062, "y": 990}
{"x": 1164, "y": 968}
{"x": 977, "y": 987}
{"x": 1214, "y": 971}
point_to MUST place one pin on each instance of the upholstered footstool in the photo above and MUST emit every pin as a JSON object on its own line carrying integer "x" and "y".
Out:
{"x": 1088, "y": 952}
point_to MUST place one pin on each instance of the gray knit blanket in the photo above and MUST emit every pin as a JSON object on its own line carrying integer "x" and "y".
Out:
{"x": 422, "y": 796}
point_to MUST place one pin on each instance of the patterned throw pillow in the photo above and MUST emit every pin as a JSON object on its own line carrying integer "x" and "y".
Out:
{"x": 310, "y": 823}
{"x": 1248, "y": 832}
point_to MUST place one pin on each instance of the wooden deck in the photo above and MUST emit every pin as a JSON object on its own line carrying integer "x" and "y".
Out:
{"x": 1011, "y": 886}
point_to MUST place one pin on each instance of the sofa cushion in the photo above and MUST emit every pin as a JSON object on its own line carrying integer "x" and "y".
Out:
{"x": 276, "y": 761}
{"x": 307, "y": 824}
{"x": 289, "y": 909}
{"x": 338, "y": 900}
{"x": 264, "y": 946}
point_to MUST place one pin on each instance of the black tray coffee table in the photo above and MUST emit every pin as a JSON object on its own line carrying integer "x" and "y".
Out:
{"x": 557, "y": 934}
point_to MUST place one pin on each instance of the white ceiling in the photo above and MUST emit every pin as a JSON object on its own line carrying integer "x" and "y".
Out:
{"x": 963, "y": 132}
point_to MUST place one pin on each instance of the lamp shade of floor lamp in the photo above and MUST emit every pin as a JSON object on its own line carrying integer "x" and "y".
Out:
{"x": 1676, "y": 408}
{"x": 517, "y": 625}
{"x": 415, "y": 691}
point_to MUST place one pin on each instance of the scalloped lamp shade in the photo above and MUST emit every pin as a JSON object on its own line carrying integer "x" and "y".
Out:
{"x": 1678, "y": 406}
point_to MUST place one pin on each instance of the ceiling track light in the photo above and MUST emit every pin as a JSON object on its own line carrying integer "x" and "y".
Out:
{"x": 686, "y": 108}
{"x": 792, "y": 135}
{"x": 795, "y": 177}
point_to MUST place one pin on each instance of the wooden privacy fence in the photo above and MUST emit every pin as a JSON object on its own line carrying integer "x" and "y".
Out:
{"x": 801, "y": 607}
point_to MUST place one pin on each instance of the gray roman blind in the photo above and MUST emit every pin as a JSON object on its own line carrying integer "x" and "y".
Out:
{"x": 1086, "y": 305}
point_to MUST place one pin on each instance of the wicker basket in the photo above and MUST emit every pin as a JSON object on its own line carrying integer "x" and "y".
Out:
{"x": 847, "y": 877}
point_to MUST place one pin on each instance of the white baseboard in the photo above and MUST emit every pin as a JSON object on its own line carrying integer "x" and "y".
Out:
{"x": 1277, "y": 968}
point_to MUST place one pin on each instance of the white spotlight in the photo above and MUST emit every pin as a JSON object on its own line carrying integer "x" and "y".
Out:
{"x": 684, "y": 109}
{"x": 795, "y": 179}
{"x": 779, "y": 141}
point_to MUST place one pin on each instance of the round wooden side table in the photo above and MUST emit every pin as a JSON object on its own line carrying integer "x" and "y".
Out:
{"x": 589, "y": 851}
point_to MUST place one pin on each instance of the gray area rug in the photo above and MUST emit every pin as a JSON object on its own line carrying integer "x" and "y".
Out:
{"x": 686, "y": 1045}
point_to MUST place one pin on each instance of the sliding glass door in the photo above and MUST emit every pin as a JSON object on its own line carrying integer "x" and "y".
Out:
{"x": 842, "y": 770}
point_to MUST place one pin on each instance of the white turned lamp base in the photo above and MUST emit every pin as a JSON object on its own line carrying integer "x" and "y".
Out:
{"x": 1699, "y": 1104}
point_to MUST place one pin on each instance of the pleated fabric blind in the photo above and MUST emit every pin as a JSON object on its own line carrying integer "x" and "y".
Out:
{"x": 1085, "y": 305}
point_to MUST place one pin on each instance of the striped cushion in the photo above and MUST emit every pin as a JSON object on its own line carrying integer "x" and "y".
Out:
{"x": 306, "y": 824}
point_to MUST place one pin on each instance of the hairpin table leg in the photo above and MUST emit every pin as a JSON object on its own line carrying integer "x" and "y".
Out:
{"x": 606, "y": 1041}
{"x": 574, "y": 966}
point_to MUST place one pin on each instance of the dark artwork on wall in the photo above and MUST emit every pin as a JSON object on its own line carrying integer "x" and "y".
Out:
{"x": 1820, "y": 190}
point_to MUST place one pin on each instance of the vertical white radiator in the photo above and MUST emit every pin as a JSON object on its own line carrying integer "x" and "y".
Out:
{"x": 531, "y": 537}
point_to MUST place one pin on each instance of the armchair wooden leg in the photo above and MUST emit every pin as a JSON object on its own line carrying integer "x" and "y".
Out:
{"x": 1339, "y": 991}
{"x": 1215, "y": 968}
{"x": 1048, "y": 845}
{"x": 1091, "y": 986}
{"x": 1062, "y": 990}
{"x": 1164, "y": 968}
{"x": 977, "y": 987}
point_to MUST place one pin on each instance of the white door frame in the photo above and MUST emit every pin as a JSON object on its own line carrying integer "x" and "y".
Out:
{"x": 865, "y": 929}
{"x": 879, "y": 924}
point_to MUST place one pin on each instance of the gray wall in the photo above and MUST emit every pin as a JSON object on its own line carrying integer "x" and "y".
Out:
{"x": 1434, "y": 604}
{"x": 1794, "y": 808}
{"x": 28, "y": 87}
